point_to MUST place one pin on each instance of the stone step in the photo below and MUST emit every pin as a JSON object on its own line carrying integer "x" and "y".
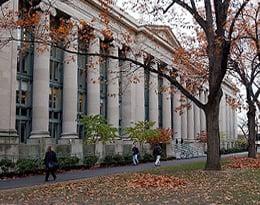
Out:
{"x": 186, "y": 151}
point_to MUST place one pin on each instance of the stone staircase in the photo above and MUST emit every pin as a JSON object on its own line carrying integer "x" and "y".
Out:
{"x": 187, "y": 151}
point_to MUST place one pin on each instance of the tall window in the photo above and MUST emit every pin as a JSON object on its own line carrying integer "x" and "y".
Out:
{"x": 160, "y": 101}
{"x": 82, "y": 87}
{"x": 55, "y": 93}
{"x": 103, "y": 83}
{"x": 146, "y": 94}
{"x": 24, "y": 88}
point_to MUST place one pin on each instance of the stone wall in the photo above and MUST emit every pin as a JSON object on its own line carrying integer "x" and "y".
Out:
{"x": 9, "y": 148}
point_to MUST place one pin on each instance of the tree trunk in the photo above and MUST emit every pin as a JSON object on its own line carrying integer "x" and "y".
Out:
{"x": 251, "y": 130}
{"x": 212, "y": 124}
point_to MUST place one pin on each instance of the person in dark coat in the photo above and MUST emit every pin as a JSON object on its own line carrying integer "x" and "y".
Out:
{"x": 51, "y": 162}
{"x": 157, "y": 151}
{"x": 135, "y": 152}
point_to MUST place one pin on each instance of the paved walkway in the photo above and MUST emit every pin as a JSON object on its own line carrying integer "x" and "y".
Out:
{"x": 80, "y": 174}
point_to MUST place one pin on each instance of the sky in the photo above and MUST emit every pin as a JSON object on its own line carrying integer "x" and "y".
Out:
{"x": 180, "y": 29}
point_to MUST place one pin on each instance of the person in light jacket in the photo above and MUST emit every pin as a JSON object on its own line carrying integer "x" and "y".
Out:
{"x": 135, "y": 152}
{"x": 157, "y": 151}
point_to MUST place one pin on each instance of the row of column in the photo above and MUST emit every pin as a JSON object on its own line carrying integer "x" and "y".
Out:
{"x": 132, "y": 99}
{"x": 40, "y": 107}
{"x": 228, "y": 120}
{"x": 192, "y": 120}
{"x": 186, "y": 126}
{"x": 133, "y": 102}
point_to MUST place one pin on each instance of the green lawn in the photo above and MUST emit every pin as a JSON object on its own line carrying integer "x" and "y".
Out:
{"x": 230, "y": 186}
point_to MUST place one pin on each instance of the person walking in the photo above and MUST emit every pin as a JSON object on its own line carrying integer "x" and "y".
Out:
{"x": 157, "y": 151}
{"x": 135, "y": 152}
{"x": 51, "y": 162}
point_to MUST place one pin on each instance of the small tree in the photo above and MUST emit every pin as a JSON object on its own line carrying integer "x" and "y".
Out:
{"x": 142, "y": 131}
{"x": 164, "y": 136}
{"x": 96, "y": 129}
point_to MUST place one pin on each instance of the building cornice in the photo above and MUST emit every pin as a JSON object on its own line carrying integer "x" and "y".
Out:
{"x": 123, "y": 18}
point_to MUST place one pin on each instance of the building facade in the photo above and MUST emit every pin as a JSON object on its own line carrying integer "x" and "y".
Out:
{"x": 42, "y": 95}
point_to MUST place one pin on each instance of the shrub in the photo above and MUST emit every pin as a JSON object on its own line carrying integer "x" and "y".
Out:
{"x": 232, "y": 150}
{"x": 27, "y": 166}
{"x": 6, "y": 164}
{"x": 241, "y": 143}
{"x": 68, "y": 162}
{"x": 118, "y": 159}
{"x": 147, "y": 157}
{"x": 142, "y": 131}
{"x": 108, "y": 160}
{"x": 128, "y": 159}
{"x": 90, "y": 161}
{"x": 97, "y": 129}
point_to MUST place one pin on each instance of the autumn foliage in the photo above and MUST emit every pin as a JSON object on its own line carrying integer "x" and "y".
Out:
{"x": 164, "y": 136}
{"x": 155, "y": 181}
{"x": 244, "y": 162}
{"x": 202, "y": 137}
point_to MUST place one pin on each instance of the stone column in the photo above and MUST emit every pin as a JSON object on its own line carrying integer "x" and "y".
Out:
{"x": 153, "y": 97}
{"x": 113, "y": 88}
{"x": 196, "y": 120}
{"x": 41, "y": 74}
{"x": 231, "y": 123}
{"x": 191, "y": 122}
{"x": 128, "y": 93}
{"x": 225, "y": 115}
{"x": 8, "y": 70}
{"x": 166, "y": 104}
{"x": 70, "y": 89}
{"x": 202, "y": 114}
{"x": 139, "y": 90}
{"x": 221, "y": 113}
{"x": 93, "y": 78}
{"x": 184, "y": 121}
{"x": 222, "y": 121}
{"x": 227, "y": 122}
{"x": 166, "y": 109}
{"x": 176, "y": 116}
{"x": 235, "y": 124}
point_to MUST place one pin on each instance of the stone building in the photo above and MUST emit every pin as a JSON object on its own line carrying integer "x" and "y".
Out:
{"x": 41, "y": 97}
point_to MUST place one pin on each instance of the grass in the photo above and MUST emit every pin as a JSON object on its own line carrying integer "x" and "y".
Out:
{"x": 182, "y": 167}
{"x": 229, "y": 186}
{"x": 179, "y": 168}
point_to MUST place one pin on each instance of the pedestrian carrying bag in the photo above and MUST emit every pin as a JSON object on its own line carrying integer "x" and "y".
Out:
{"x": 52, "y": 164}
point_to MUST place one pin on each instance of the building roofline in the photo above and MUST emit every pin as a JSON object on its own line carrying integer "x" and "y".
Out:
{"x": 124, "y": 18}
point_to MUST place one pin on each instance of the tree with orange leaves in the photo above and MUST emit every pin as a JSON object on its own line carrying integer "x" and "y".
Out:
{"x": 206, "y": 62}
{"x": 207, "y": 55}
{"x": 245, "y": 66}
{"x": 164, "y": 136}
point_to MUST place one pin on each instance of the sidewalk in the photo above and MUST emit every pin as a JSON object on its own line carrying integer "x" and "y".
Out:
{"x": 80, "y": 174}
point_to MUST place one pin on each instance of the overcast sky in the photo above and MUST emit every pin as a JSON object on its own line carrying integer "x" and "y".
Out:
{"x": 178, "y": 29}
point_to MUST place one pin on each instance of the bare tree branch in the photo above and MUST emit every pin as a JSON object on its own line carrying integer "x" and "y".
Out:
{"x": 231, "y": 28}
{"x": 147, "y": 67}
{"x": 192, "y": 11}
